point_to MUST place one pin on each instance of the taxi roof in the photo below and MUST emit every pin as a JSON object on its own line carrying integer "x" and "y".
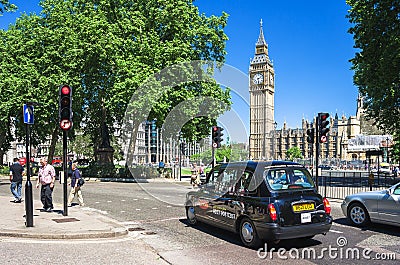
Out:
{"x": 253, "y": 164}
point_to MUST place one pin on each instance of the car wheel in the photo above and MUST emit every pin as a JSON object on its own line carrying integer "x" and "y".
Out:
{"x": 358, "y": 215}
{"x": 248, "y": 234}
{"x": 191, "y": 215}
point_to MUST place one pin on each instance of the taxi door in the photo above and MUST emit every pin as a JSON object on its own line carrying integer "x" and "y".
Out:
{"x": 225, "y": 207}
{"x": 207, "y": 196}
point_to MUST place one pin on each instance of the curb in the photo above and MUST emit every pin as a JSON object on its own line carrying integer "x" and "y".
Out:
{"x": 118, "y": 232}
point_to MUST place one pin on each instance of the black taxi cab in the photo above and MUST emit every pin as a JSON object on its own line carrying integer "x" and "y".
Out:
{"x": 262, "y": 201}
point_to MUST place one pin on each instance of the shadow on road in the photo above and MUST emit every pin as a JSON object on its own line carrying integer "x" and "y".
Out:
{"x": 233, "y": 238}
{"x": 373, "y": 227}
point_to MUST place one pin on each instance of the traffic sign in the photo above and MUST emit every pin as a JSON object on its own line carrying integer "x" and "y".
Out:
{"x": 28, "y": 114}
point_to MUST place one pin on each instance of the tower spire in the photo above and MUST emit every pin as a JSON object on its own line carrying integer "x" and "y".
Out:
{"x": 261, "y": 40}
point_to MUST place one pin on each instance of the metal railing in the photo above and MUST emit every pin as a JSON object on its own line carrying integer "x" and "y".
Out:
{"x": 339, "y": 184}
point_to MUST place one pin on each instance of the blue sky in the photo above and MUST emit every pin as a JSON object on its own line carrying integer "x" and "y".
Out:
{"x": 308, "y": 44}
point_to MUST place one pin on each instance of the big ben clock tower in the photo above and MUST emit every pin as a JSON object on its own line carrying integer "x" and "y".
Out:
{"x": 262, "y": 89}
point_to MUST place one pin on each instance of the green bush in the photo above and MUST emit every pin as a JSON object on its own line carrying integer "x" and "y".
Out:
{"x": 99, "y": 170}
{"x": 5, "y": 170}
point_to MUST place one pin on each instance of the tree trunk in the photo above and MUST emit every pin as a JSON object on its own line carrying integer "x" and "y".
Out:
{"x": 54, "y": 139}
{"x": 1, "y": 157}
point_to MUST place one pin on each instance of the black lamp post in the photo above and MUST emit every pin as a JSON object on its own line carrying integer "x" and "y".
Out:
{"x": 387, "y": 149}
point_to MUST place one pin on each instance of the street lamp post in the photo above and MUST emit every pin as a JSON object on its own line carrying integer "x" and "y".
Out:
{"x": 387, "y": 149}
{"x": 273, "y": 141}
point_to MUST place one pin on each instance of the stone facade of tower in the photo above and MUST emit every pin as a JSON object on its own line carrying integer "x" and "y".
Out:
{"x": 268, "y": 143}
{"x": 262, "y": 90}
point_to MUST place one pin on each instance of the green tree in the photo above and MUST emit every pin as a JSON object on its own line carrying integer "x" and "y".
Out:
{"x": 376, "y": 33}
{"x": 293, "y": 153}
{"x": 6, "y": 6}
{"x": 104, "y": 50}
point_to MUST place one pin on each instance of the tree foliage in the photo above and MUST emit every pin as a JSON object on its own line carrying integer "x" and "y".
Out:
{"x": 376, "y": 32}
{"x": 293, "y": 153}
{"x": 6, "y": 6}
{"x": 104, "y": 49}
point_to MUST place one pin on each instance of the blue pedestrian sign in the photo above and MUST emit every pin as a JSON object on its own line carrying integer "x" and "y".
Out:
{"x": 28, "y": 114}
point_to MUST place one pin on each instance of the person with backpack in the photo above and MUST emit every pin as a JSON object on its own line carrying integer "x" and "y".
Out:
{"x": 76, "y": 184}
{"x": 16, "y": 172}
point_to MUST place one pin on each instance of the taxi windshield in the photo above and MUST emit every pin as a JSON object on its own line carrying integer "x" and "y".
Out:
{"x": 288, "y": 178}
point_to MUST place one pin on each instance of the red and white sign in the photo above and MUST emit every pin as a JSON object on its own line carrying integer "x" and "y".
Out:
{"x": 65, "y": 124}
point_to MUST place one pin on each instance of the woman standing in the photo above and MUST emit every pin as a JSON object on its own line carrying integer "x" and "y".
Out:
{"x": 75, "y": 188}
{"x": 193, "y": 177}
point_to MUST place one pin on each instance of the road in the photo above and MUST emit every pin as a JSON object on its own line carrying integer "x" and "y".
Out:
{"x": 155, "y": 215}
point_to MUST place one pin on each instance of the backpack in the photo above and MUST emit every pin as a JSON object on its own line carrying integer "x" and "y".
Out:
{"x": 81, "y": 181}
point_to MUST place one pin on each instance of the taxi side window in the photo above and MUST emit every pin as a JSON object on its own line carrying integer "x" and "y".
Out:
{"x": 242, "y": 185}
{"x": 226, "y": 180}
{"x": 277, "y": 176}
{"x": 396, "y": 191}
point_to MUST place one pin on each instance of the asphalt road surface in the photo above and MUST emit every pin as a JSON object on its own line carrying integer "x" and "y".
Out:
{"x": 155, "y": 215}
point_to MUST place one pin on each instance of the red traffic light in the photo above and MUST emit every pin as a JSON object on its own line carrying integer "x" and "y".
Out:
{"x": 217, "y": 136}
{"x": 65, "y": 107}
{"x": 323, "y": 128}
{"x": 65, "y": 90}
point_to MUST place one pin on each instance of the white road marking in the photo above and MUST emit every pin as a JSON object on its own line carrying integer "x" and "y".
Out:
{"x": 335, "y": 231}
{"x": 155, "y": 208}
{"x": 137, "y": 209}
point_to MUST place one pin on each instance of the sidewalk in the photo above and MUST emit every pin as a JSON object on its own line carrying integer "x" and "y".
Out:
{"x": 81, "y": 222}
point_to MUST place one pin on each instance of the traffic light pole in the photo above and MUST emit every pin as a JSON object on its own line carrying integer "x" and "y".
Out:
{"x": 212, "y": 157}
{"x": 180, "y": 162}
{"x": 28, "y": 185}
{"x": 65, "y": 170}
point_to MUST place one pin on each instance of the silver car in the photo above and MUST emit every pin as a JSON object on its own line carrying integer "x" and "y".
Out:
{"x": 374, "y": 206}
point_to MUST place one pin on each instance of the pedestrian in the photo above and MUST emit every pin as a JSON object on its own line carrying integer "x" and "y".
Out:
{"x": 193, "y": 177}
{"x": 161, "y": 167}
{"x": 201, "y": 174}
{"x": 75, "y": 187}
{"x": 47, "y": 177}
{"x": 16, "y": 172}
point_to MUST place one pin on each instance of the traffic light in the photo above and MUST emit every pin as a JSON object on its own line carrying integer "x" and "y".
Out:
{"x": 217, "y": 136}
{"x": 183, "y": 148}
{"x": 65, "y": 107}
{"x": 310, "y": 135}
{"x": 322, "y": 126}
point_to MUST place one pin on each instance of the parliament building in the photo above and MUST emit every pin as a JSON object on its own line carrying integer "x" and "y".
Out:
{"x": 266, "y": 142}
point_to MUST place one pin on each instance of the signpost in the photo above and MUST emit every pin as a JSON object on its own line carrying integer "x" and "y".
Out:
{"x": 28, "y": 120}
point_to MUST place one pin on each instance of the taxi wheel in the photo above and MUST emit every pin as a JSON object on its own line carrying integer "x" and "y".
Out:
{"x": 248, "y": 234}
{"x": 191, "y": 215}
{"x": 358, "y": 215}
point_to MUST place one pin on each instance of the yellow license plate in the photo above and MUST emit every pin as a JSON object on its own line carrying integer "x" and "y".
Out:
{"x": 303, "y": 207}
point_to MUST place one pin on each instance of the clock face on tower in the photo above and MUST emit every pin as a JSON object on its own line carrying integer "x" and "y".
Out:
{"x": 258, "y": 79}
{"x": 271, "y": 79}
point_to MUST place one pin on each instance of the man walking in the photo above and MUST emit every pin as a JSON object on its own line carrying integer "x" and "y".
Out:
{"x": 75, "y": 187}
{"x": 16, "y": 172}
{"x": 47, "y": 176}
